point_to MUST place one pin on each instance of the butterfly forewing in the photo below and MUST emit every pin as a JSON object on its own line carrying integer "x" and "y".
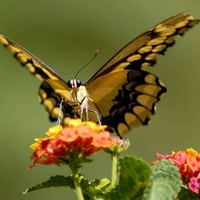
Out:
{"x": 28, "y": 60}
{"x": 143, "y": 50}
{"x": 122, "y": 93}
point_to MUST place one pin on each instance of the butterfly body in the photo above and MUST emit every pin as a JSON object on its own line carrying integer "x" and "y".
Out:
{"x": 122, "y": 94}
{"x": 79, "y": 95}
{"x": 78, "y": 92}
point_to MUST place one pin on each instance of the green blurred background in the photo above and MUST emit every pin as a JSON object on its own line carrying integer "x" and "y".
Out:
{"x": 65, "y": 34}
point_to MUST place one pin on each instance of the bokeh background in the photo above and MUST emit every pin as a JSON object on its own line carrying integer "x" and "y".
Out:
{"x": 65, "y": 34}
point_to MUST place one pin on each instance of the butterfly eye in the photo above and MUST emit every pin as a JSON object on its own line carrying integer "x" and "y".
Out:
{"x": 78, "y": 82}
{"x": 73, "y": 83}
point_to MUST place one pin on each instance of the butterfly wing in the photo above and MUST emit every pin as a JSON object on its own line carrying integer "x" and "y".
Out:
{"x": 124, "y": 92}
{"x": 53, "y": 88}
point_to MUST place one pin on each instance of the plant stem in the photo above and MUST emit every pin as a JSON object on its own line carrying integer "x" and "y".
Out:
{"x": 114, "y": 173}
{"x": 77, "y": 185}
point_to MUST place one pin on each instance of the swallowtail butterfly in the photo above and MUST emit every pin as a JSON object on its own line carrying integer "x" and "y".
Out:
{"x": 121, "y": 93}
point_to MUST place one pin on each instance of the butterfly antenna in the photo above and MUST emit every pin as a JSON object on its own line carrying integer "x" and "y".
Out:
{"x": 95, "y": 55}
{"x": 61, "y": 72}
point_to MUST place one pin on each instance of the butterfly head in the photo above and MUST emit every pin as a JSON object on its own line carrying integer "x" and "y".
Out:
{"x": 74, "y": 83}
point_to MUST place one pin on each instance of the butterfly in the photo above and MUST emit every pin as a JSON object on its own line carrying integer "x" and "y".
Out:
{"x": 122, "y": 94}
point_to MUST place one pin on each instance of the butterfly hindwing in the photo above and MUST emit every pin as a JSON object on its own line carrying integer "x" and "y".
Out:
{"x": 51, "y": 93}
{"x": 132, "y": 103}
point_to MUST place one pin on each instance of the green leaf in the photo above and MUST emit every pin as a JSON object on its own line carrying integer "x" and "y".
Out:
{"x": 165, "y": 182}
{"x": 90, "y": 189}
{"x": 54, "y": 181}
{"x": 186, "y": 194}
{"x": 133, "y": 179}
{"x": 95, "y": 189}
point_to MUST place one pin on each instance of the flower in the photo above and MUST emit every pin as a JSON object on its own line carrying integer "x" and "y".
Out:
{"x": 74, "y": 143}
{"x": 120, "y": 146}
{"x": 188, "y": 162}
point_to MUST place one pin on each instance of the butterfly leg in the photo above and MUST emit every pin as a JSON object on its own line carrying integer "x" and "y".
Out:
{"x": 97, "y": 115}
{"x": 84, "y": 108}
{"x": 60, "y": 113}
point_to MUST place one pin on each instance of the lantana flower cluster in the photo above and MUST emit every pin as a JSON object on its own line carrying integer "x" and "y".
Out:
{"x": 188, "y": 162}
{"x": 75, "y": 142}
